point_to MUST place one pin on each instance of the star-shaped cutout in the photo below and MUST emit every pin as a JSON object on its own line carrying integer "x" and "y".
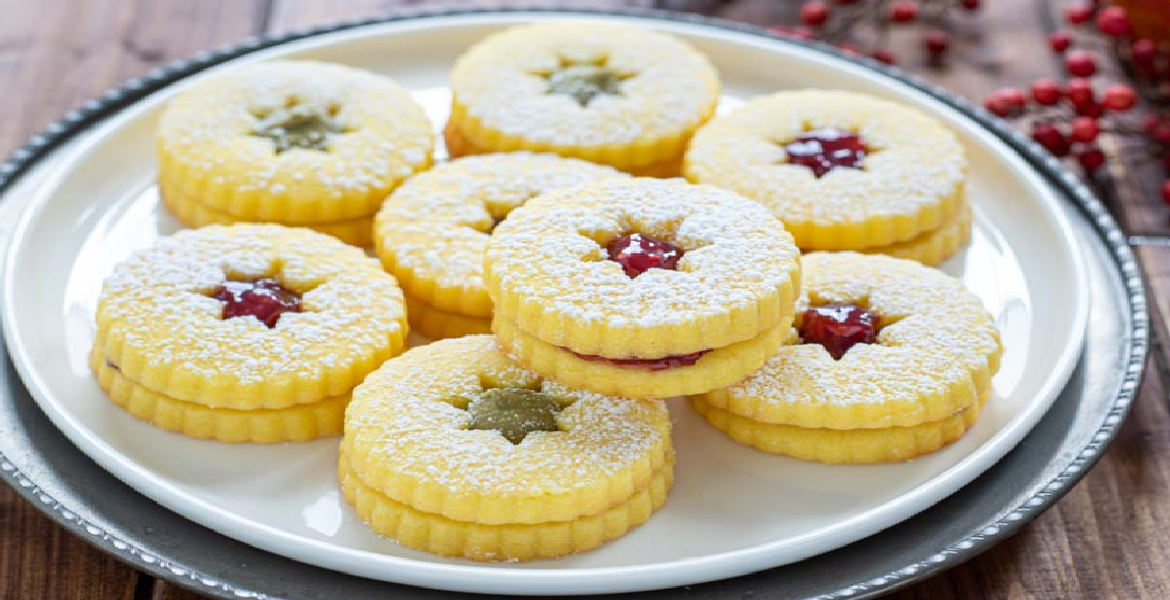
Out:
{"x": 584, "y": 80}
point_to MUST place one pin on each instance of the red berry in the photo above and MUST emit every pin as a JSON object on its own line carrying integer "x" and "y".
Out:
{"x": 1078, "y": 14}
{"x": 1080, "y": 63}
{"x": 1089, "y": 109}
{"x": 883, "y": 55}
{"x": 1079, "y": 91}
{"x": 1161, "y": 132}
{"x": 823, "y": 150}
{"x": 903, "y": 11}
{"x": 1005, "y": 102}
{"x": 1059, "y": 41}
{"x": 1084, "y": 130}
{"x": 1166, "y": 191}
{"x": 969, "y": 4}
{"x": 637, "y": 254}
{"x": 1091, "y": 158}
{"x": 1113, "y": 21}
{"x": 1047, "y": 135}
{"x": 839, "y": 327}
{"x": 936, "y": 42}
{"x": 814, "y": 13}
{"x": 265, "y": 299}
{"x": 1046, "y": 91}
{"x": 1144, "y": 52}
{"x": 1119, "y": 97}
{"x": 1150, "y": 124}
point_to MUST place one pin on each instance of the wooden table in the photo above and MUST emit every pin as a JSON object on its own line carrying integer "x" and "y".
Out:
{"x": 1106, "y": 539}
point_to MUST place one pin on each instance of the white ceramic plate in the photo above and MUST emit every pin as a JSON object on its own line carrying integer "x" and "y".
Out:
{"x": 732, "y": 511}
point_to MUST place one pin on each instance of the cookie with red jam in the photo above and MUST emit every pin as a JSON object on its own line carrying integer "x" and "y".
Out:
{"x": 454, "y": 449}
{"x": 245, "y": 333}
{"x": 894, "y": 360}
{"x": 642, "y": 287}
{"x": 301, "y": 143}
{"x": 609, "y": 93}
{"x": 842, "y": 170}
{"x": 432, "y": 231}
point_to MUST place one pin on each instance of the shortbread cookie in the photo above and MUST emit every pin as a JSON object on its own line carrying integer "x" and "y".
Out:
{"x": 294, "y": 142}
{"x": 425, "y": 431}
{"x": 249, "y": 316}
{"x": 356, "y": 232}
{"x": 431, "y": 233}
{"x": 297, "y": 423}
{"x": 843, "y": 446}
{"x": 608, "y": 93}
{"x": 933, "y": 247}
{"x": 886, "y": 343}
{"x": 503, "y": 542}
{"x": 436, "y": 324}
{"x": 842, "y": 170}
{"x": 679, "y": 287}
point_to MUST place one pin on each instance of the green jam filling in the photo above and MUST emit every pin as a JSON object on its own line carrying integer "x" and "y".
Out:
{"x": 514, "y": 412}
{"x": 585, "y": 82}
{"x": 298, "y": 126}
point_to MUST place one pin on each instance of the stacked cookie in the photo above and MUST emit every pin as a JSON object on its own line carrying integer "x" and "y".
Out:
{"x": 432, "y": 231}
{"x": 608, "y": 93}
{"x": 299, "y": 143}
{"x": 250, "y": 333}
{"x": 843, "y": 171}
{"x": 644, "y": 288}
{"x": 894, "y": 360}
{"x": 456, "y": 450}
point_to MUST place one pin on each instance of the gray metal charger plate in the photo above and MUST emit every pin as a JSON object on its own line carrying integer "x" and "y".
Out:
{"x": 51, "y": 473}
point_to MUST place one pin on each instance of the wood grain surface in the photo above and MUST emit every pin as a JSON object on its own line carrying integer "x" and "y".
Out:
{"x": 1106, "y": 539}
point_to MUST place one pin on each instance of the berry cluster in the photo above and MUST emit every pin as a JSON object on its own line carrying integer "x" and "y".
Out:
{"x": 837, "y": 21}
{"x": 1067, "y": 118}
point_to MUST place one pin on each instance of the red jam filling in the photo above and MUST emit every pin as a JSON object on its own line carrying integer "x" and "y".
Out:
{"x": 652, "y": 364}
{"x": 637, "y": 254}
{"x": 264, "y": 299}
{"x": 839, "y": 327}
{"x": 823, "y": 150}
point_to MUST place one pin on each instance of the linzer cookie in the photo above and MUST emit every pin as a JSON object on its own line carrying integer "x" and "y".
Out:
{"x": 642, "y": 287}
{"x": 245, "y": 333}
{"x": 935, "y": 246}
{"x": 432, "y": 231}
{"x": 843, "y": 171}
{"x": 454, "y": 449}
{"x": 300, "y": 143}
{"x": 608, "y": 93}
{"x": 895, "y": 360}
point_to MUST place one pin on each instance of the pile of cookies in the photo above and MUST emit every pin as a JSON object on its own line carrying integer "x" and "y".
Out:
{"x": 575, "y": 288}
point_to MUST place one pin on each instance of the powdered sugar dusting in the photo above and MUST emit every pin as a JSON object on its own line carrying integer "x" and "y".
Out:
{"x": 936, "y": 337}
{"x": 550, "y": 253}
{"x": 411, "y": 413}
{"x": 157, "y": 302}
{"x": 435, "y": 227}
{"x": 669, "y": 88}
{"x": 913, "y": 162}
{"x": 209, "y": 129}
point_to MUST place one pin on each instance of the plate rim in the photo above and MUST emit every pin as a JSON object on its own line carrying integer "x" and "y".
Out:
{"x": 79, "y": 120}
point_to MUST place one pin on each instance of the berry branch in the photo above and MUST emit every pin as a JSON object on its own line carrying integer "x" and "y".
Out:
{"x": 1067, "y": 119}
{"x": 839, "y": 21}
